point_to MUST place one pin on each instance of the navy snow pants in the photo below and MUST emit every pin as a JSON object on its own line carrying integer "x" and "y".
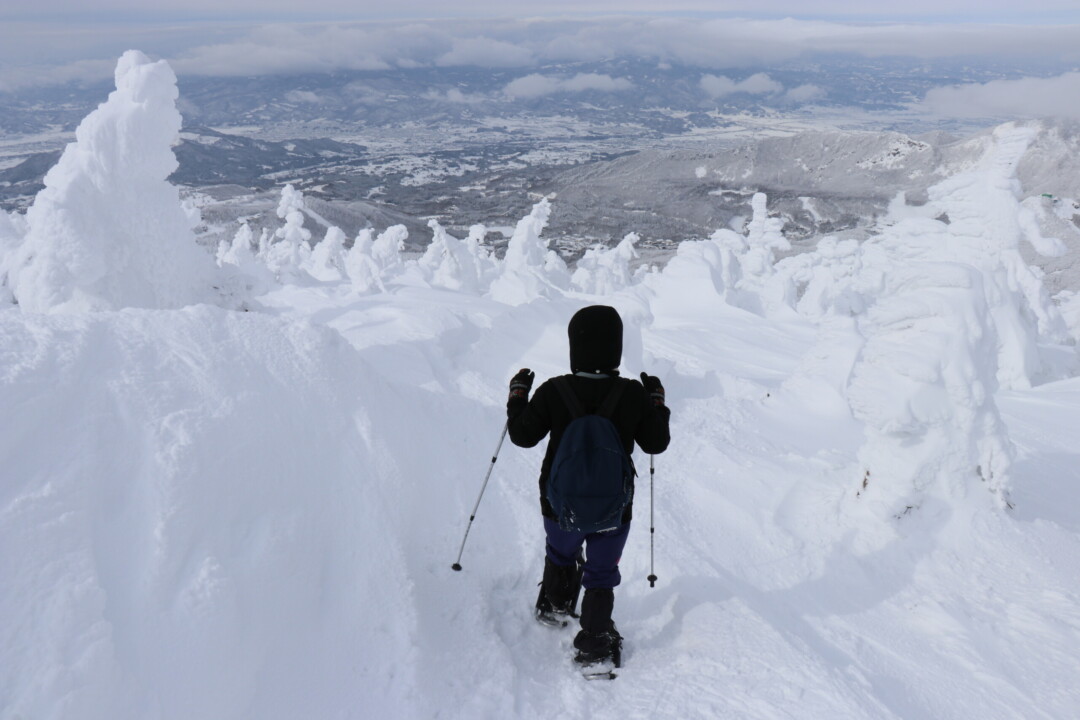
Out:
{"x": 603, "y": 550}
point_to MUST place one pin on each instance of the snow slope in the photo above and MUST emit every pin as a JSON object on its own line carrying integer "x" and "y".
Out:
{"x": 868, "y": 509}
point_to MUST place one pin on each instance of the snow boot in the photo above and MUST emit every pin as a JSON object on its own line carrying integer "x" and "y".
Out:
{"x": 559, "y": 590}
{"x": 598, "y": 641}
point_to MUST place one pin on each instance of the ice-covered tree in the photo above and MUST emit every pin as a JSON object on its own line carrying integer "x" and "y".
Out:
{"x": 108, "y": 230}
{"x": 238, "y": 257}
{"x": 327, "y": 261}
{"x": 691, "y": 282}
{"x": 924, "y": 386}
{"x": 985, "y": 229}
{"x": 12, "y": 229}
{"x": 362, "y": 270}
{"x": 288, "y": 255}
{"x": 483, "y": 258}
{"x": 386, "y": 250}
{"x": 827, "y": 277}
{"x": 239, "y": 250}
{"x": 448, "y": 263}
{"x": 751, "y": 279}
{"x": 530, "y": 270}
{"x": 602, "y": 271}
{"x": 764, "y": 237}
{"x": 292, "y": 200}
{"x": 263, "y": 244}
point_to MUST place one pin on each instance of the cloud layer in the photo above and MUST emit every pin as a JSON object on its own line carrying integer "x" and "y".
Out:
{"x": 536, "y": 85}
{"x": 757, "y": 84}
{"x": 721, "y": 48}
{"x": 1022, "y": 98}
{"x": 708, "y": 44}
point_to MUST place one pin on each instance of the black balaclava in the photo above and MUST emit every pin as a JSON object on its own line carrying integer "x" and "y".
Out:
{"x": 595, "y": 339}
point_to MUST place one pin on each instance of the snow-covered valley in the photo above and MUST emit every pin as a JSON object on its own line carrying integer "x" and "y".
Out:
{"x": 235, "y": 489}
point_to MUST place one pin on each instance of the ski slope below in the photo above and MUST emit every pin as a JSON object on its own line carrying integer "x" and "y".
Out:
{"x": 253, "y": 515}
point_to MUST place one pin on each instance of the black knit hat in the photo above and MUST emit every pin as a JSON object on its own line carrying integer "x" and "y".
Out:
{"x": 595, "y": 339}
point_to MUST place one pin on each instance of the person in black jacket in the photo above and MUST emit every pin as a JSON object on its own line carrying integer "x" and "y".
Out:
{"x": 640, "y": 417}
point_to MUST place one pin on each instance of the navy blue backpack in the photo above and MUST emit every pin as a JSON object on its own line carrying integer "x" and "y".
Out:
{"x": 592, "y": 479}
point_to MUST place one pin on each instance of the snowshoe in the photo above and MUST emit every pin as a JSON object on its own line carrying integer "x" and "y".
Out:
{"x": 556, "y": 604}
{"x": 598, "y": 648}
{"x": 547, "y": 615}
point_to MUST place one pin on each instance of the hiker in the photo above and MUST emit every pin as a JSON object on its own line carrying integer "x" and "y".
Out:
{"x": 638, "y": 415}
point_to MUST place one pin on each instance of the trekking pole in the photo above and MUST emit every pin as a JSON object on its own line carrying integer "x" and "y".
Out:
{"x": 652, "y": 524}
{"x": 457, "y": 564}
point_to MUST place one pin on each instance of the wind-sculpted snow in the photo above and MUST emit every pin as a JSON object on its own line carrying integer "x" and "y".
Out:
{"x": 250, "y": 511}
{"x": 193, "y": 497}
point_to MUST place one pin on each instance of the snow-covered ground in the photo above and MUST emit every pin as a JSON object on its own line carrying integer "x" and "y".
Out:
{"x": 248, "y": 507}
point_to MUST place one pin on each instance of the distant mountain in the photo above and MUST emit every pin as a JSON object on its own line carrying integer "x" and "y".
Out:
{"x": 658, "y": 157}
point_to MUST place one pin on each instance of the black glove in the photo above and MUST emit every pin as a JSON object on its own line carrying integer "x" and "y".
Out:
{"x": 521, "y": 383}
{"x": 654, "y": 388}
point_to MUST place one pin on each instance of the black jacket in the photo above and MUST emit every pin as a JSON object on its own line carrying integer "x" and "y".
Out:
{"x": 636, "y": 418}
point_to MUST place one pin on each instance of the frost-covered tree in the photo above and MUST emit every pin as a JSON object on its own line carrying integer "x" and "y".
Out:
{"x": 108, "y": 230}
{"x": 238, "y": 257}
{"x": 386, "y": 250}
{"x": 239, "y": 251}
{"x": 292, "y": 200}
{"x": 484, "y": 259}
{"x": 986, "y": 226}
{"x": 602, "y": 271}
{"x": 12, "y": 229}
{"x": 289, "y": 254}
{"x": 924, "y": 386}
{"x": 327, "y": 261}
{"x": 764, "y": 237}
{"x": 827, "y": 277}
{"x": 749, "y": 269}
{"x": 692, "y": 281}
{"x": 363, "y": 272}
{"x": 448, "y": 263}
{"x": 263, "y": 244}
{"x": 530, "y": 270}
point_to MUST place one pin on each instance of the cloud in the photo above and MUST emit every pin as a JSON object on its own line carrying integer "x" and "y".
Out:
{"x": 712, "y": 45}
{"x": 804, "y": 94}
{"x": 532, "y": 86}
{"x": 757, "y": 84}
{"x": 1022, "y": 98}
{"x": 303, "y": 96}
{"x": 592, "y": 81}
{"x": 536, "y": 85}
{"x": 83, "y": 71}
{"x": 279, "y": 49}
{"x": 485, "y": 52}
{"x": 453, "y": 95}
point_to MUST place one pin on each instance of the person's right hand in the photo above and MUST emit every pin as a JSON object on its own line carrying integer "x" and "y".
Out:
{"x": 521, "y": 383}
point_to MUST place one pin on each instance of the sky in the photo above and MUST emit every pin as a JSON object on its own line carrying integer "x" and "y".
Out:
{"x": 55, "y": 41}
{"x": 314, "y": 10}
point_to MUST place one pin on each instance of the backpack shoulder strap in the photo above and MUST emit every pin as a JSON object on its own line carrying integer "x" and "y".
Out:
{"x": 562, "y": 384}
{"x": 612, "y": 400}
